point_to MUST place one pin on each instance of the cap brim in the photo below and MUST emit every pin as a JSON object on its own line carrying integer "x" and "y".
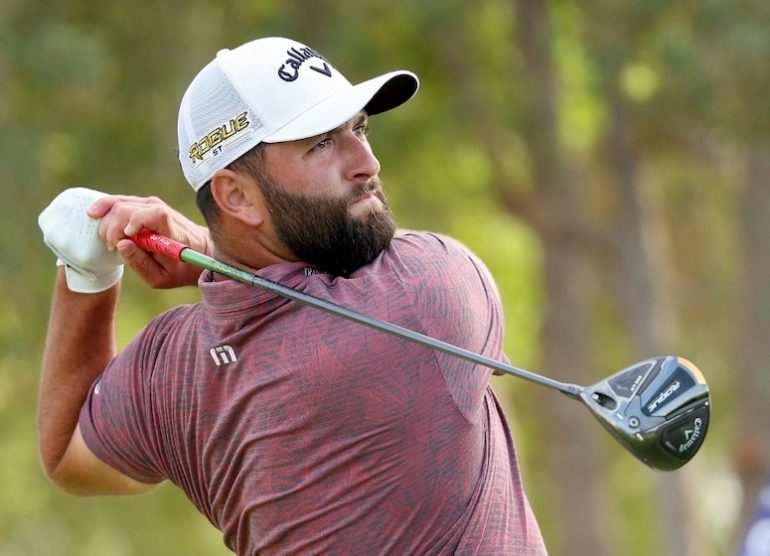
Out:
{"x": 376, "y": 95}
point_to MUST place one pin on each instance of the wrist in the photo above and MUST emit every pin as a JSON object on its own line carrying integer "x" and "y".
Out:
{"x": 79, "y": 282}
{"x": 63, "y": 288}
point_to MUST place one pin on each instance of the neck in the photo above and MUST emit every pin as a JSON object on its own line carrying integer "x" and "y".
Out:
{"x": 250, "y": 248}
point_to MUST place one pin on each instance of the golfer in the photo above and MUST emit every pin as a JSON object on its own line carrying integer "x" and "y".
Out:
{"x": 293, "y": 431}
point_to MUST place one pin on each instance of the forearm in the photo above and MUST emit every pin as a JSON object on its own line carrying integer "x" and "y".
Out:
{"x": 79, "y": 345}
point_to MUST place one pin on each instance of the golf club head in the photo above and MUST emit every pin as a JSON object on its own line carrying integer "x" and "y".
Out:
{"x": 659, "y": 409}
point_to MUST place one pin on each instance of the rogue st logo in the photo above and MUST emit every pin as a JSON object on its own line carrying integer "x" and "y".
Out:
{"x": 211, "y": 143}
{"x": 663, "y": 396}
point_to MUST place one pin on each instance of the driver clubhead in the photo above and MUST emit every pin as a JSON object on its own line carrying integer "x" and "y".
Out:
{"x": 659, "y": 409}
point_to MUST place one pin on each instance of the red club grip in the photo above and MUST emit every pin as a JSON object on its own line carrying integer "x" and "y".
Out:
{"x": 156, "y": 243}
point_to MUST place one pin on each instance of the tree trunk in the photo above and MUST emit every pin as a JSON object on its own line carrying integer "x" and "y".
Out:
{"x": 642, "y": 287}
{"x": 752, "y": 448}
{"x": 576, "y": 480}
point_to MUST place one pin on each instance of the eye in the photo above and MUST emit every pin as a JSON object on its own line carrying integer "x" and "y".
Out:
{"x": 362, "y": 130}
{"x": 324, "y": 143}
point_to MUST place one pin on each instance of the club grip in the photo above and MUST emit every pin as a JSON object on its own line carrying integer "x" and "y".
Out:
{"x": 156, "y": 243}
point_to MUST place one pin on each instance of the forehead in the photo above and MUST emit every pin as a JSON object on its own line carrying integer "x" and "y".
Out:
{"x": 361, "y": 116}
{"x": 300, "y": 145}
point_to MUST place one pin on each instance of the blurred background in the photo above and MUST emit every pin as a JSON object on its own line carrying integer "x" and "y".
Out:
{"x": 608, "y": 160}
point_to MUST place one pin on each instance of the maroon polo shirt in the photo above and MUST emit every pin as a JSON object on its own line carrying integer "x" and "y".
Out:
{"x": 297, "y": 432}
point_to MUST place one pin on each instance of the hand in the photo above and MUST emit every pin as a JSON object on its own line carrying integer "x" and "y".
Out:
{"x": 73, "y": 237}
{"x": 123, "y": 216}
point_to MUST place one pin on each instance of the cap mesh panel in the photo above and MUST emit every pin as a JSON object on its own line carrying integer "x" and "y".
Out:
{"x": 210, "y": 103}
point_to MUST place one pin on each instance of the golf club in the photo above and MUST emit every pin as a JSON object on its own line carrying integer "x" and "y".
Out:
{"x": 658, "y": 409}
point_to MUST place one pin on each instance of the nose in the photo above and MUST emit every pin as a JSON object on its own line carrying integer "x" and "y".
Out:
{"x": 360, "y": 162}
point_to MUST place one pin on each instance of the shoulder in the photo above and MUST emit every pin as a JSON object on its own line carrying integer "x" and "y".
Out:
{"x": 428, "y": 246}
{"x": 170, "y": 319}
{"x": 156, "y": 334}
{"x": 173, "y": 316}
{"x": 431, "y": 242}
{"x": 437, "y": 254}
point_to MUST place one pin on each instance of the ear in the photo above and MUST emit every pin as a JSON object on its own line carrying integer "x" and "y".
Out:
{"x": 238, "y": 196}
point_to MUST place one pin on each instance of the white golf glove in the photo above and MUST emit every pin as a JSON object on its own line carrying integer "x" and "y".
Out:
{"x": 73, "y": 237}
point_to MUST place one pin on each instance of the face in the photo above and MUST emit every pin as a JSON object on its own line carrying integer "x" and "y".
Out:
{"x": 321, "y": 230}
{"x": 326, "y": 201}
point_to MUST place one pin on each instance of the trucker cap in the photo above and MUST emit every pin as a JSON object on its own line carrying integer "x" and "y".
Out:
{"x": 272, "y": 90}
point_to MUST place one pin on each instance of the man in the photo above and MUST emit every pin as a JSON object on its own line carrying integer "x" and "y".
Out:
{"x": 293, "y": 431}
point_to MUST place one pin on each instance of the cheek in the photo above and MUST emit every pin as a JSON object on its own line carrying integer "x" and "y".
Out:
{"x": 308, "y": 176}
{"x": 320, "y": 182}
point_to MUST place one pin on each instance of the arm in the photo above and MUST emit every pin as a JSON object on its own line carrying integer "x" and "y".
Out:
{"x": 79, "y": 345}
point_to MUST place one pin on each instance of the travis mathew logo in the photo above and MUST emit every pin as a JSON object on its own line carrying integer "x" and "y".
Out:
{"x": 289, "y": 70}
{"x": 223, "y": 355}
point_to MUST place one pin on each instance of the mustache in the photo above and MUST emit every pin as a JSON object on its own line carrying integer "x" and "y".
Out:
{"x": 372, "y": 185}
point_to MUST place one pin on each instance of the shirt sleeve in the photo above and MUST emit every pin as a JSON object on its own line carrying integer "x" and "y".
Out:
{"x": 458, "y": 302}
{"x": 116, "y": 420}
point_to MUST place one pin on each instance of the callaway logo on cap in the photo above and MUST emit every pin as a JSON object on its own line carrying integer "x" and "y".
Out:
{"x": 295, "y": 60}
{"x": 271, "y": 90}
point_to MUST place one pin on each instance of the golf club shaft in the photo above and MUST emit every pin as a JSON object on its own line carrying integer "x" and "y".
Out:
{"x": 162, "y": 245}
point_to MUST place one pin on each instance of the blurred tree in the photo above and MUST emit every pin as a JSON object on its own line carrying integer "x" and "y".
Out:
{"x": 745, "y": 115}
{"x": 637, "y": 272}
{"x": 752, "y": 443}
{"x": 553, "y": 206}
{"x": 729, "y": 124}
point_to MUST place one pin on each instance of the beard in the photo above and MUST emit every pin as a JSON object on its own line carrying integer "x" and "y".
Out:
{"x": 320, "y": 230}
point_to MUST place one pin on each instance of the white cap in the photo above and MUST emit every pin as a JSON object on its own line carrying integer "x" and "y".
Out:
{"x": 272, "y": 90}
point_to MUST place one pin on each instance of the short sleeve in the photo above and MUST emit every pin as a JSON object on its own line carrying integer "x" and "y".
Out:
{"x": 457, "y": 302}
{"x": 117, "y": 418}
